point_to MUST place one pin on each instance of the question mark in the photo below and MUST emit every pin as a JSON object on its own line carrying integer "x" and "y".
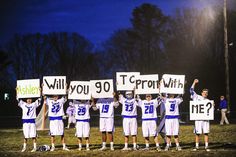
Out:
{"x": 209, "y": 107}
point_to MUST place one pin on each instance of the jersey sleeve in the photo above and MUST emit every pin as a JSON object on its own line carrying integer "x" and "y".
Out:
{"x": 37, "y": 103}
{"x": 63, "y": 100}
{"x": 156, "y": 103}
{"x": 139, "y": 102}
{"x": 121, "y": 99}
{"x": 21, "y": 103}
{"x": 179, "y": 100}
{"x": 193, "y": 93}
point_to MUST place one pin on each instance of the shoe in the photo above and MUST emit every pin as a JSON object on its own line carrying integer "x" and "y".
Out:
{"x": 52, "y": 149}
{"x": 23, "y": 149}
{"x": 207, "y": 149}
{"x": 112, "y": 148}
{"x": 167, "y": 148}
{"x": 146, "y": 148}
{"x": 103, "y": 148}
{"x": 79, "y": 149}
{"x": 87, "y": 149}
{"x": 159, "y": 149}
{"x": 196, "y": 149}
{"x": 126, "y": 148}
{"x": 66, "y": 149}
{"x": 178, "y": 148}
{"x": 33, "y": 150}
{"x": 135, "y": 148}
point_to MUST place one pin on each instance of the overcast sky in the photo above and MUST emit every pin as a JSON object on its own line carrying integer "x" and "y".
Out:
{"x": 94, "y": 19}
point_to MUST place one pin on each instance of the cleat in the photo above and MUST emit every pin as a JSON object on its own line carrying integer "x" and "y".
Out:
{"x": 159, "y": 149}
{"x": 103, "y": 148}
{"x": 147, "y": 148}
{"x": 87, "y": 149}
{"x": 112, "y": 149}
{"x": 207, "y": 149}
{"x": 66, "y": 149}
{"x": 125, "y": 149}
{"x": 23, "y": 149}
{"x": 33, "y": 150}
{"x": 196, "y": 149}
{"x": 178, "y": 148}
{"x": 52, "y": 149}
{"x": 135, "y": 149}
{"x": 79, "y": 149}
{"x": 167, "y": 148}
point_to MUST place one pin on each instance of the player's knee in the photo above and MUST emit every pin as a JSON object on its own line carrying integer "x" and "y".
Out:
{"x": 197, "y": 134}
{"x": 103, "y": 132}
{"x": 110, "y": 132}
{"x": 206, "y": 134}
{"x": 176, "y": 136}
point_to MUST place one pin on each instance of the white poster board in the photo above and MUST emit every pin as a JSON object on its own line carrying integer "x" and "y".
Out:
{"x": 201, "y": 110}
{"x": 79, "y": 90}
{"x": 28, "y": 88}
{"x": 126, "y": 80}
{"x": 147, "y": 84}
{"x": 172, "y": 84}
{"x": 54, "y": 85}
{"x": 102, "y": 88}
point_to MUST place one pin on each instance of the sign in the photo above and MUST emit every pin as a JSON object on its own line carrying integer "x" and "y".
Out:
{"x": 172, "y": 84}
{"x": 126, "y": 80}
{"x": 147, "y": 84}
{"x": 202, "y": 110}
{"x": 79, "y": 90}
{"x": 54, "y": 85}
{"x": 28, "y": 88}
{"x": 102, "y": 88}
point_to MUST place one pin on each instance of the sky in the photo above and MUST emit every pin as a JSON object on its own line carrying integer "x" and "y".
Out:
{"x": 96, "y": 20}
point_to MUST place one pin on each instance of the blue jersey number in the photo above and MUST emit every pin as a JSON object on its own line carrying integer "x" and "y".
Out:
{"x": 172, "y": 107}
{"x": 81, "y": 111}
{"x": 149, "y": 109}
{"x": 129, "y": 107}
{"x": 105, "y": 108}
{"x": 29, "y": 110}
{"x": 55, "y": 107}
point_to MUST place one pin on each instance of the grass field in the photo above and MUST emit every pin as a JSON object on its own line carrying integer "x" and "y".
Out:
{"x": 222, "y": 143}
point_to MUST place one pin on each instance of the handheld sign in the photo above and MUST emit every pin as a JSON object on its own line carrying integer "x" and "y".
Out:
{"x": 172, "y": 84}
{"x": 126, "y": 80}
{"x": 54, "y": 85}
{"x": 147, "y": 84}
{"x": 202, "y": 110}
{"x": 79, "y": 90}
{"x": 102, "y": 88}
{"x": 28, "y": 88}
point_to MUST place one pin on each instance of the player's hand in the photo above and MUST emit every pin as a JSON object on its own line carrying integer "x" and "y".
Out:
{"x": 195, "y": 81}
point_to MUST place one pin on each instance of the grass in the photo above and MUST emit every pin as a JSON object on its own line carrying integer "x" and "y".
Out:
{"x": 222, "y": 143}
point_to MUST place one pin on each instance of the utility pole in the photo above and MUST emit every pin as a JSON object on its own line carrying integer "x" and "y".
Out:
{"x": 226, "y": 57}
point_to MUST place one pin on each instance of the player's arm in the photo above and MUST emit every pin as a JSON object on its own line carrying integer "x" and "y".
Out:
{"x": 94, "y": 105}
{"x": 121, "y": 98}
{"x": 192, "y": 92}
{"x": 139, "y": 101}
{"x": 116, "y": 102}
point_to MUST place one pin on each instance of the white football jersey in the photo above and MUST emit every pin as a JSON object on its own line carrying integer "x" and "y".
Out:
{"x": 106, "y": 107}
{"x": 55, "y": 108}
{"x": 148, "y": 108}
{"x": 129, "y": 106}
{"x": 195, "y": 96}
{"x": 29, "y": 110}
{"x": 172, "y": 106}
{"x": 82, "y": 110}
